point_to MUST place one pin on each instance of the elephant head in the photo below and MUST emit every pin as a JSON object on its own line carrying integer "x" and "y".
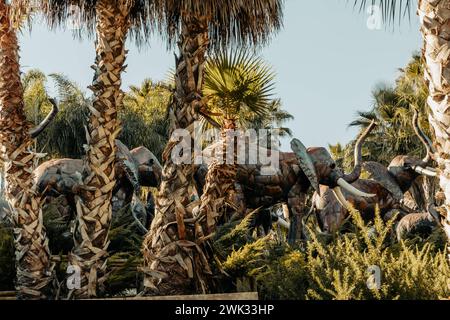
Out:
{"x": 149, "y": 167}
{"x": 139, "y": 166}
{"x": 135, "y": 168}
{"x": 399, "y": 176}
{"x": 320, "y": 168}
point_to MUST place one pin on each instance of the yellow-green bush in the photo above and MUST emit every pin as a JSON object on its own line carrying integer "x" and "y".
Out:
{"x": 340, "y": 268}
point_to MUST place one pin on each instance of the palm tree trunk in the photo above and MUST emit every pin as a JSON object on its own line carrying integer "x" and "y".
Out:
{"x": 34, "y": 269}
{"x": 94, "y": 209}
{"x": 173, "y": 261}
{"x": 221, "y": 198}
{"x": 435, "y": 17}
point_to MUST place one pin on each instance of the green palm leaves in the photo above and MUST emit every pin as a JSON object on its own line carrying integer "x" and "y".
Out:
{"x": 239, "y": 84}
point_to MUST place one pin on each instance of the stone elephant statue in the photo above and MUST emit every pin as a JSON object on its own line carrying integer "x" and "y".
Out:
{"x": 388, "y": 184}
{"x": 419, "y": 224}
{"x": 298, "y": 171}
{"x": 64, "y": 177}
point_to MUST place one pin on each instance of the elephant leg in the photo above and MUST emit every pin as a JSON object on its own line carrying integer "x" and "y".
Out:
{"x": 296, "y": 204}
{"x": 262, "y": 222}
{"x": 150, "y": 209}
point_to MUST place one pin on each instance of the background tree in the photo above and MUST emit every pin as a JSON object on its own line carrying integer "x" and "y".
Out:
{"x": 66, "y": 135}
{"x": 393, "y": 109}
{"x": 238, "y": 86}
{"x": 143, "y": 115}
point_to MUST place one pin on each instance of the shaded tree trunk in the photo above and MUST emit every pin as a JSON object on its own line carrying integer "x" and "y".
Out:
{"x": 94, "y": 209}
{"x": 174, "y": 263}
{"x": 435, "y": 19}
{"x": 34, "y": 268}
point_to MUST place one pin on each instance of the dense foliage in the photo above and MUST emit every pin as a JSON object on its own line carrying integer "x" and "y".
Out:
{"x": 340, "y": 268}
{"x": 143, "y": 115}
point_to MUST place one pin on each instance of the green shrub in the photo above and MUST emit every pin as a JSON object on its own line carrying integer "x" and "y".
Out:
{"x": 340, "y": 268}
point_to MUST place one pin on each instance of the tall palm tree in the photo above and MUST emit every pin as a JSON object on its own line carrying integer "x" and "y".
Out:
{"x": 173, "y": 261}
{"x": 434, "y": 18}
{"x": 113, "y": 21}
{"x": 34, "y": 268}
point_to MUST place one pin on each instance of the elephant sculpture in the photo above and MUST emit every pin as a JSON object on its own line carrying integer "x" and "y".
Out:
{"x": 387, "y": 184}
{"x": 298, "y": 171}
{"x": 64, "y": 177}
{"x": 418, "y": 224}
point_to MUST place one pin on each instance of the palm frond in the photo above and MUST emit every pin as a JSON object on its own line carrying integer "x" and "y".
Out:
{"x": 244, "y": 22}
{"x": 238, "y": 81}
{"x": 390, "y": 9}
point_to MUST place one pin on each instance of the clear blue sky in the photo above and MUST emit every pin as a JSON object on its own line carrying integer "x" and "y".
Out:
{"x": 327, "y": 62}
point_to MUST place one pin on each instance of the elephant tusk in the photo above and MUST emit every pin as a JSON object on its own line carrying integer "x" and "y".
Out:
{"x": 340, "y": 197}
{"x": 35, "y": 132}
{"x": 426, "y": 172}
{"x": 347, "y": 186}
{"x": 283, "y": 223}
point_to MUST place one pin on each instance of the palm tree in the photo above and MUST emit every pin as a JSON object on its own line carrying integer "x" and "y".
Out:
{"x": 237, "y": 86}
{"x": 112, "y": 21}
{"x": 196, "y": 25}
{"x": 274, "y": 118}
{"x": 34, "y": 268}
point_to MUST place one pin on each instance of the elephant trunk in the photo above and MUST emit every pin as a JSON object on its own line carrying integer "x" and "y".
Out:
{"x": 422, "y": 137}
{"x": 347, "y": 186}
{"x": 35, "y": 132}
{"x": 354, "y": 175}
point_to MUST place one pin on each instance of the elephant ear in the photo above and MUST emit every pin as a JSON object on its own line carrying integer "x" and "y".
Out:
{"x": 306, "y": 163}
{"x": 379, "y": 173}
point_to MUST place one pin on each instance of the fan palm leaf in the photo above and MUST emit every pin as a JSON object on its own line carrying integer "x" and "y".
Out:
{"x": 239, "y": 82}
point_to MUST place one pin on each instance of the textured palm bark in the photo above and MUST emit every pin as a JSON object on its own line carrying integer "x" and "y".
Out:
{"x": 94, "y": 207}
{"x": 435, "y": 21}
{"x": 174, "y": 263}
{"x": 221, "y": 197}
{"x": 34, "y": 269}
